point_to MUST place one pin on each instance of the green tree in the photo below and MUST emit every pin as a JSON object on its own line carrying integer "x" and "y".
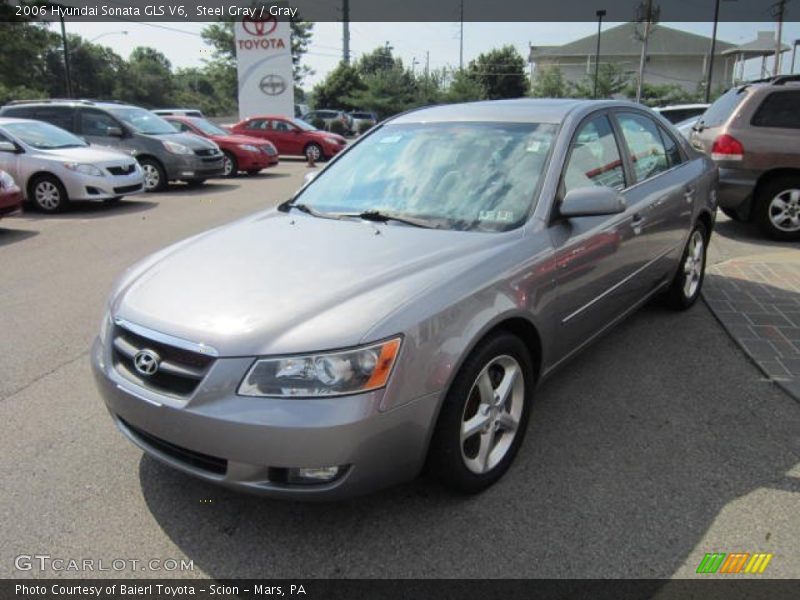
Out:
{"x": 146, "y": 79}
{"x": 339, "y": 88}
{"x": 386, "y": 92}
{"x": 380, "y": 59}
{"x": 612, "y": 80}
{"x": 661, "y": 94}
{"x": 501, "y": 73}
{"x": 550, "y": 83}
{"x": 463, "y": 88}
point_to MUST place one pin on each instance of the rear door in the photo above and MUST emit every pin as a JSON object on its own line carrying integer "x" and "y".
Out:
{"x": 596, "y": 257}
{"x": 286, "y": 137}
{"x": 258, "y": 128}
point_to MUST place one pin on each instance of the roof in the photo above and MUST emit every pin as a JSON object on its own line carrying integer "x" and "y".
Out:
{"x": 622, "y": 40}
{"x": 520, "y": 110}
{"x": 763, "y": 45}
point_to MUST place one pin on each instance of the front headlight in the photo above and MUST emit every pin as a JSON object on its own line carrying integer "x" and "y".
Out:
{"x": 324, "y": 374}
{"x": 177, "y": 148}
{"x": 6, "y": 181}
{"x": 332, "y": 141}
{"x": 249, "y": 148}
{"x": 84, "y": 169}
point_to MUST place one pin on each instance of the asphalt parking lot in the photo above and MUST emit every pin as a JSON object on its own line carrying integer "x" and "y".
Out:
{"x": 660, "y": 443}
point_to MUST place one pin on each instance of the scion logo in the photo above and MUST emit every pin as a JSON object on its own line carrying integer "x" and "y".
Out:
{"x": 272, "y": 85}
{"x": 146, "y": 362}
{"x": 259, "y": 27}
{"x": 735, "y": 562}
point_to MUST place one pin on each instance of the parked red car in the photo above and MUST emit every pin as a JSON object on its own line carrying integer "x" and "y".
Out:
{"x": 292, "y": 136}
{"x": 10, "y": 195}
{"x": 242, "y": 153}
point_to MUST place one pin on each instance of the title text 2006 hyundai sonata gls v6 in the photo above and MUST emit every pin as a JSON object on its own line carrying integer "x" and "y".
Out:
{"x": 397, "y": 312}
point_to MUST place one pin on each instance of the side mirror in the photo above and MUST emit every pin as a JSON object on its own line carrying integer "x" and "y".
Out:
{"x": 10, "y": 147}
{"x": 591, "y": 202}
{"x": 114, "y": 132}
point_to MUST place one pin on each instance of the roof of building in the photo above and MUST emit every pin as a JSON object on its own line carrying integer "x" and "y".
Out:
{"x": 623, "y": 40}
{"x": 763, "y": 45}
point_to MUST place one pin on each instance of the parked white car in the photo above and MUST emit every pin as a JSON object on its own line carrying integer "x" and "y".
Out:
{"x": 52, "y": 166}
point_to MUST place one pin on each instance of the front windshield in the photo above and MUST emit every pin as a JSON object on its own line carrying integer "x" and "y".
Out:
{"x": 44, "y": 136}
{"x": 143, "y": 121}
{"x": 208, "y": 127}
{"x": 467, "y": 176}
{"x": 303, "y": 125}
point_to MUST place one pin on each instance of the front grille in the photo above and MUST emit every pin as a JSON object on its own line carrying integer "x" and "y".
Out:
{"x": 217, "y": 160}
{"x": 198, "y": 460}
{"x": 206, "y": 152}
{"x": 180, "y": 371}
{"x": 127, "y": 189}
{"x": 124, "y": 170}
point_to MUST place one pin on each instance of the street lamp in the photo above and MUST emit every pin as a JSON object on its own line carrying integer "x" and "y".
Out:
{"x": 600, "y": 14}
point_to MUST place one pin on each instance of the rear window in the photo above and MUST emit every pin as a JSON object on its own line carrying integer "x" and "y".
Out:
{"x": 723, "y": 108}
{"x": 779, "y": 109}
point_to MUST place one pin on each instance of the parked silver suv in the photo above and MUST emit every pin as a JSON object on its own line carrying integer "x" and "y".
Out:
{"x": 399, "y": 310}
{"x": 164, "y": 154}
{"x": 753, "y": 133}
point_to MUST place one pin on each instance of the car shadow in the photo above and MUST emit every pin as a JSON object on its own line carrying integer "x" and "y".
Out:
{"x": 12, "y": 236}
{"x": 92, "y": 210}
{"x": 747, "y": 233}
{"x": 267, "y": 174}
{"x": 209, "y": 187}
{"x": 633, "y": 450}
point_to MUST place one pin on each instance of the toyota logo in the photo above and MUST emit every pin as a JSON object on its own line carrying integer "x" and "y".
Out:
{"x": 259, "y": 27}
{"x": 272, "y": 85}
{"x": 146, "y": 362}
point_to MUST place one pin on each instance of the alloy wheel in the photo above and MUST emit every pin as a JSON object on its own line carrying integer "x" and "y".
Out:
{"x": 492, "y": 414}
{"x": 313, "y": 152}
{"x": 693, "y": 265}
{"x": 47, "y": 194}
{"x": 784, "y": 211}
{"x": 152, "y": 178}
{"x": 227, "y": 165}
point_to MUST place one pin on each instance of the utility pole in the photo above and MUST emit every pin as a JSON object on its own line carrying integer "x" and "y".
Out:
{"x": 600, "y": 14}
{"x": 346, "y": 31}
{"x": 648, "y": 18}
{"x": 794, "y": 55}
{"x": 710, "y": 66}
{"x": 780, "y": 8}
{"x": 461, "y": 38}
{"x": 67, "y": 74}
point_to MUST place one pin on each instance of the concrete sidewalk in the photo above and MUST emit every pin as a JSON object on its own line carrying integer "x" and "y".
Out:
{"x": 757, "y": 300}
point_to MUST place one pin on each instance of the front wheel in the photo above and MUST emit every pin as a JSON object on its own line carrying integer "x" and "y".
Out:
{"x": 230, "y": 168}
{"x": 314, "y": 153}
{"x": 685, "y": 288}
{"x": 777, "y": 209}
{"x": 48, "y": 194}
{"x": 155, "y": 178}
{"x": 484, "y": 416}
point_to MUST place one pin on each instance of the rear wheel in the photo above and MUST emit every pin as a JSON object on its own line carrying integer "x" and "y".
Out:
{"x": 155, "y": 178}
{"x": 685, "y": 288}
{"x": 484, "y": 416}
{"x": 48, "y": 194}
{"x": 230, "y": 167}
{"x": 777, "y": 210}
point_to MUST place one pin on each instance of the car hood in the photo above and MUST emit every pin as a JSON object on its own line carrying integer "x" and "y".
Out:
{"x": 239, "y": 139}
{"x": 283, "y": 283}
{"x": 88, "y": 154}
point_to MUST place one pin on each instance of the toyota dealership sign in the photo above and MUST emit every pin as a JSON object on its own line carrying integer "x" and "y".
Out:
{"x": 264, "y": 58}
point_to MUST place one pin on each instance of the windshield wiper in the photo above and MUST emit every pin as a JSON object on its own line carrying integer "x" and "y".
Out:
{"x": 287, "y": 206}
{"x": 383, "y": 217}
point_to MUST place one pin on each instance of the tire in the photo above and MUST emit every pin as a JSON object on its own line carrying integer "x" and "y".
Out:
{"x": 155, "y": 178}
{"x": 463, "y": 456}
{"x": 314, "y": 152}
{"x": 685, "y": 288}
{"x": 48, "y": 194}
{"x": 731, "y": 214}
{"x": 195, "y": 183}
{"x": 777, "y": 208}
{"x": 230, "y": 166}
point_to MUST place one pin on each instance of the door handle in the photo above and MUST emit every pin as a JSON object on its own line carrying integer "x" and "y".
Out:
{"x": 636, "y": 223}
{"x": 688, "y": 194}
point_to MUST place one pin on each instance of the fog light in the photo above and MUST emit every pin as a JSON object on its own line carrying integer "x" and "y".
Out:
{"x": 313, "y": 475}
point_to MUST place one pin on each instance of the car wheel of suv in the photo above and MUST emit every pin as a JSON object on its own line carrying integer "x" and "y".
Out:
{"x": 155, "y": 179}
{"x": 685, "y": 288}
{"x": 230, "y": 168}
{"x": 314, "y": 152}
{"x": 777, "y": 209}
{"x": 48, "y": 194}
{"x": 484, "y": 416}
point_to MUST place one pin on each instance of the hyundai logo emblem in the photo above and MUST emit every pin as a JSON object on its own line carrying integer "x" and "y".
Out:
{"x": 146, "y": 362}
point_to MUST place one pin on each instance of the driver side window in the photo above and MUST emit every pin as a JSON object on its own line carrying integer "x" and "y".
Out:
{"x": 281, "y": 126}
{"x": 595, "y": 159}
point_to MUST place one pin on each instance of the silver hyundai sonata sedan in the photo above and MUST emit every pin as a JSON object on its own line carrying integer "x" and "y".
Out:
{"x": 398, "y": 311}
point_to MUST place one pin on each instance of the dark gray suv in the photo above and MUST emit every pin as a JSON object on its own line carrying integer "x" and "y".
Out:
{"x": 752, "y": 133}
{"x": 164, "y": 154}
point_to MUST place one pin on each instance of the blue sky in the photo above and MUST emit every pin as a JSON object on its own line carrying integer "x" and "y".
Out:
{"x": 183, "y": 46}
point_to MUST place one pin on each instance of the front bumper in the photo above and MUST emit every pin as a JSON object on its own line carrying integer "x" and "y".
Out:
{"x": 243, "y": 442}
{"x": 190, "y": 166}
{"x": 735, "y": 190}
{"x": 251, "y": 161}
{"x": 10, "y": 201}
{"x": 89, "y": 187}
